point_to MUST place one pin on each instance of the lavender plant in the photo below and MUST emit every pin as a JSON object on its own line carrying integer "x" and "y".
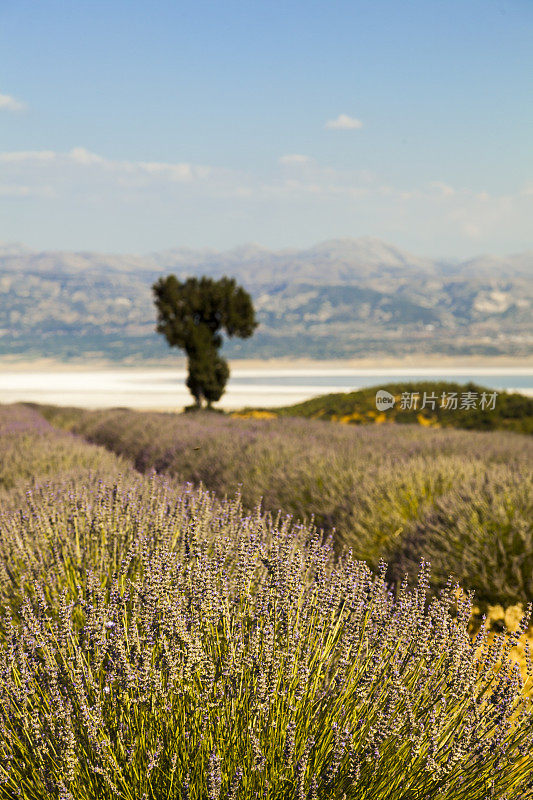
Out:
{"x": 157, "y": 642}
{"x": 482, "y": 532}
{"x": 376, "y": 488}
{"x": 63, "y": 529}
{"x": 33, "y": 451}
{"x": 173, "y": 647}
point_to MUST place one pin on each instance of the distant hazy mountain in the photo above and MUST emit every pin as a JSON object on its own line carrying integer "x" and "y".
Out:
{"x": 341, "y": 298}
{"x": 337, "y": 261}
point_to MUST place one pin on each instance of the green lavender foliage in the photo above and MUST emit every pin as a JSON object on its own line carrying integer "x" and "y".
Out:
{"x": 158, "y": 643}
{"x": 33, "y": 451}
{"x": 62, "y": 530}
{"x": 462, "y": 499}
{"x": 481, "y": 531}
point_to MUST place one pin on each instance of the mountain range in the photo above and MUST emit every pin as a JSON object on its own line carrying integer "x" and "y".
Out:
{"x": 341, "y": 298}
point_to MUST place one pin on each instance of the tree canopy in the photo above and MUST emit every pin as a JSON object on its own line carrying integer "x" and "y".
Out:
{"x": 191, "y": 315}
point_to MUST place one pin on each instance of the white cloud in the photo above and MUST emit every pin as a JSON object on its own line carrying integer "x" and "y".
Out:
{"x": 22, "y": 156}
{"x": 443, "y": 188}
{"x": 471, "y": 231}
{"x": 180, "y": 172}
{"x": 17, "y": 190}
{"x": 344, "y": 123}
{"x": 80, "y": 173}
{"x": 82, "y": 156}
{"x": 8, "y": 190}
{"x": 83, "y": 179}
{"x": 295, "y": 158}
{"x": 8, "y": 103}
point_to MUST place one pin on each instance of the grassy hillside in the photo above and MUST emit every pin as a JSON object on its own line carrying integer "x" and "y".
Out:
{"x": 156, "y": 642}
{"x": 512, "y": 411}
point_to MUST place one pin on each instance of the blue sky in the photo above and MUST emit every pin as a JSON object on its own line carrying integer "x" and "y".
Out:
{"x": 137, "y": 126}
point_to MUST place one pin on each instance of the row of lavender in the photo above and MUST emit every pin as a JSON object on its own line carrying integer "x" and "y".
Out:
{"x": 461, "y": 499}
{"x": 156, "y": 642}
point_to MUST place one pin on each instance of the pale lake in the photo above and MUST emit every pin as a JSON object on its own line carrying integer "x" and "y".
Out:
{"x": 157, "y": 388}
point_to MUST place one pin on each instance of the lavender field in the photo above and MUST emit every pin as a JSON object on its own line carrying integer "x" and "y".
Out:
{"x": 164, "y": 634}
{"x": 461, "y": 499}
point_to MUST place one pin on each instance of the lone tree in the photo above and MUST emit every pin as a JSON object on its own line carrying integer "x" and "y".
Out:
{"x": 190, "y": 315}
